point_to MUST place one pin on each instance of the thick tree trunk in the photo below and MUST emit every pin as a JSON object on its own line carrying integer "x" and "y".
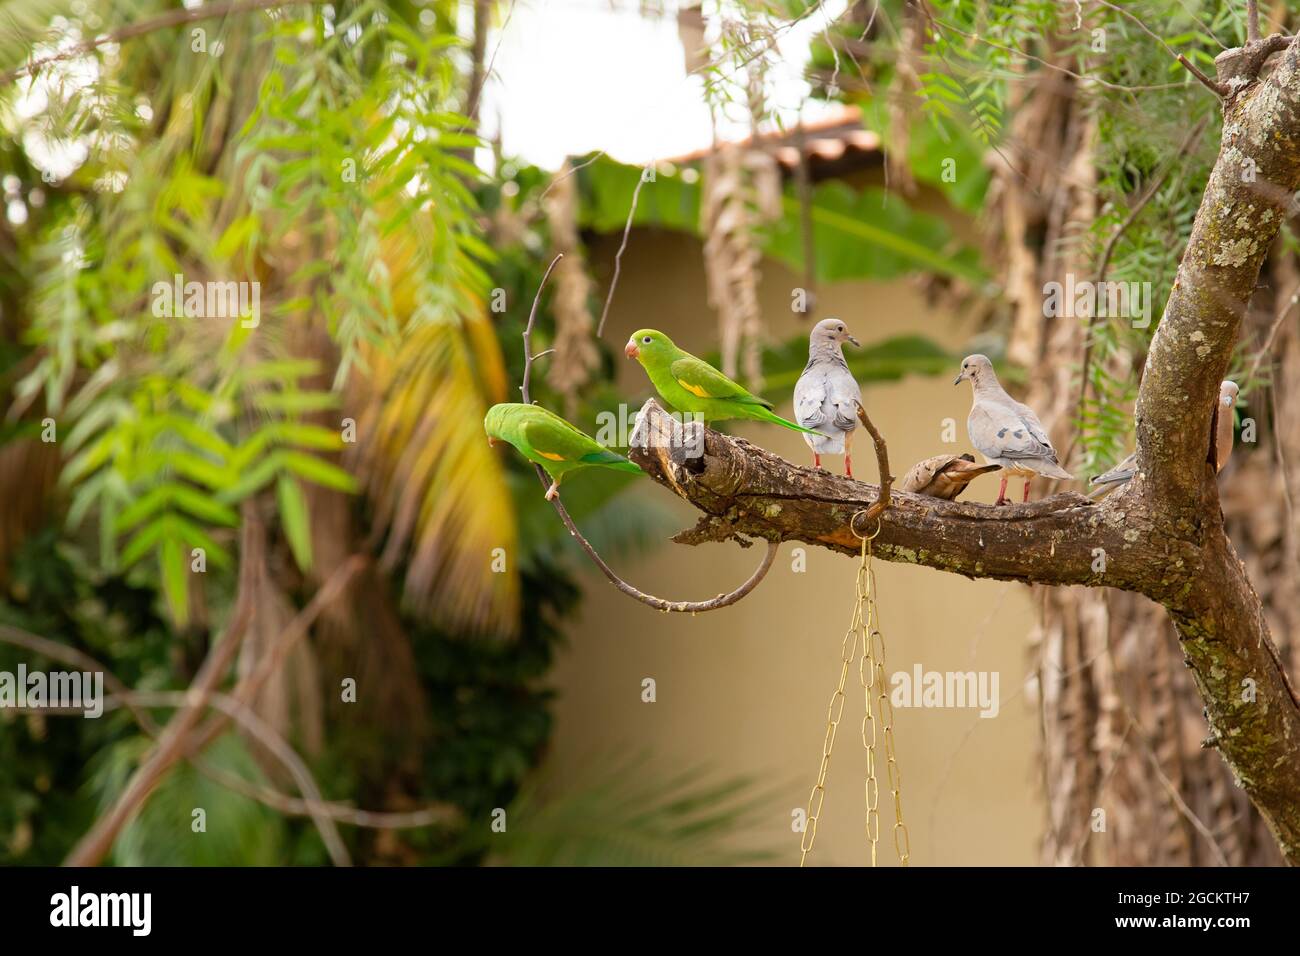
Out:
{"x": 1161, "y": 536}
{"x": 1122, "y": 722}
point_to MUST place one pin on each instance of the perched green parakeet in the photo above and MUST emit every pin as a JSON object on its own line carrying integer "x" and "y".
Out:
{"x": 690, "y": 384}
{"x": 547, "y": 439}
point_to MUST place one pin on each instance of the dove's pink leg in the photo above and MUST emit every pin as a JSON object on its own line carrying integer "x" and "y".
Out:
{"x": 817, "y": 460}
{"x": 1027, "y": 480}
{"x": 848, "y": 454}
{"x": 1002, "y": 492}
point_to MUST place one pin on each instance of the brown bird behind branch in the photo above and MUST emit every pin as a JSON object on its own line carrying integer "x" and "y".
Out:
{"x": 944, "y": 476}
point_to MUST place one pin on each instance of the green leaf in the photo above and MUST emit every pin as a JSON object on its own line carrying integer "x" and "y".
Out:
{"x": 295, "y": 520}
{"x": 175, "y": 578}
{"x": 870, "y": 235}
{"x": 319, "y": 471}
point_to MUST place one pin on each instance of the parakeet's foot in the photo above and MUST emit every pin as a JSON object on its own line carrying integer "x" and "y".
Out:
{"x": 553, "y": 492}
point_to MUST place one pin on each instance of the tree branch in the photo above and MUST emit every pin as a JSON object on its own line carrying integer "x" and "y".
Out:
{"x": 342, "y": 813}
{"x": 743, "y": 489}
{"x": 93, "y": 846}
{"x": 274, "y": 744}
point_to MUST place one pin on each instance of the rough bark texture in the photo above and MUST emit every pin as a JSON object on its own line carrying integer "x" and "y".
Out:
{"x": 1162, "y": 536}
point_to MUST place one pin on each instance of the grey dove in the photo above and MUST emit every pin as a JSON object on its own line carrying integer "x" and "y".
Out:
{"x": 1004, "y": 431}
{"x": 943, "y": 476}
{"x": 826, "y": 397}
{"x": 1223, "y": 422}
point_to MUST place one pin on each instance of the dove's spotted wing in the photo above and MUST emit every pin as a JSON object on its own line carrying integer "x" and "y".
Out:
{"x": 704, "y": 381}
{"x": 1035, "y": 427}
{"x": 1000, "y": 431}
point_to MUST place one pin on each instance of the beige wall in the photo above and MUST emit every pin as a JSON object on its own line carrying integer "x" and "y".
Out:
{"x": 744, "y": 690}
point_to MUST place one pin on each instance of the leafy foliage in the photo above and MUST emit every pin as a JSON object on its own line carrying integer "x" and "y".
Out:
{"x": 617, "y": 817}
{"x": 867, "y": 234}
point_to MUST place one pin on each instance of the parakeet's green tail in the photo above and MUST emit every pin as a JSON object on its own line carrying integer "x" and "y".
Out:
{"x": 610, "y": 459}
{"x": 763, "y": 414}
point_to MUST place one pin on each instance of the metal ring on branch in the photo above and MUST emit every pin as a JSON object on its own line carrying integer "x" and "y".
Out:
{"x": 866, "y": 513}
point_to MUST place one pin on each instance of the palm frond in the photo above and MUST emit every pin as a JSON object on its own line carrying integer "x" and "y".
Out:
{"x": 626, "y": 815}
{"x": 438, "y": 490}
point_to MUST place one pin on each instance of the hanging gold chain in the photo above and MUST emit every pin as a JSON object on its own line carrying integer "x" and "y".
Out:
{"x": 871, "y": 674}
{"x": 864, "y": 629}
{"x": 834, "y": 710}
{"x": 867, "y": 677}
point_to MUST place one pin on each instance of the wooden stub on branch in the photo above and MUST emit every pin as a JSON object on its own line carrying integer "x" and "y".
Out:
{"x": 882, "y": 463}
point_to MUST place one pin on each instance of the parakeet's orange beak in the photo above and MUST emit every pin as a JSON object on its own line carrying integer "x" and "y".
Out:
{"x": 630, "y": 350}
{"x": 492, "y": 442}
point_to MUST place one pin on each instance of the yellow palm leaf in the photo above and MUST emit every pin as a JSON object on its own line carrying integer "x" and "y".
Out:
{"x": 438, "y": 490}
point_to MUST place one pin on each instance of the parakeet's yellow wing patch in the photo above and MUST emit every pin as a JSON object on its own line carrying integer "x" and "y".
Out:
{"x": 546, "y": 454}
{"x": 697, "y": 390}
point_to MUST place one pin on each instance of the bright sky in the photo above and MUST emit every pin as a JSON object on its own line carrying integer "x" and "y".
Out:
{"x": 567, "y": 77}
{"x": 571, "y": 76}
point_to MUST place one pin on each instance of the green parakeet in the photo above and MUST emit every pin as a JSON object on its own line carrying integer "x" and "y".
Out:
{"x": 690, "y": 384}
{"x": 548, "y": 440}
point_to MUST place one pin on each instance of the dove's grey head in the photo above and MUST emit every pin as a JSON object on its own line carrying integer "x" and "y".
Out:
{"x": 976, "y": 369}
{"x": 1228, "y": 394}
{"x": 830, "y": 332}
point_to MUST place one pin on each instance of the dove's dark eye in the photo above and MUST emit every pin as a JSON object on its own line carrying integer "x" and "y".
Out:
{"x": 839, "y": 328}
{"x": 646, "y": 340}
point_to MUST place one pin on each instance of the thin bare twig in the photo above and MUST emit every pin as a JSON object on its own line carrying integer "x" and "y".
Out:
{"x": 1085, "y": 77}
{"x": 529, "y": 357}
{"x": 1175, "y": 797}
{"x": 425, "y": 816}
{"x": 1281, "y": 459}
{"x": 274, "y": 744}
{"x": 1187, "y": 145}
{"x": 1211, "y": 85}
{"x": 98, "y": 840}
{"x": 246, "y": 690}
{"x": 172, "y": 18}
{"x": 1264, "y": 349}
{"x": 1252, "y": 20}
{"x": 618, "y": 256}
{"x": 680, "y": 607}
